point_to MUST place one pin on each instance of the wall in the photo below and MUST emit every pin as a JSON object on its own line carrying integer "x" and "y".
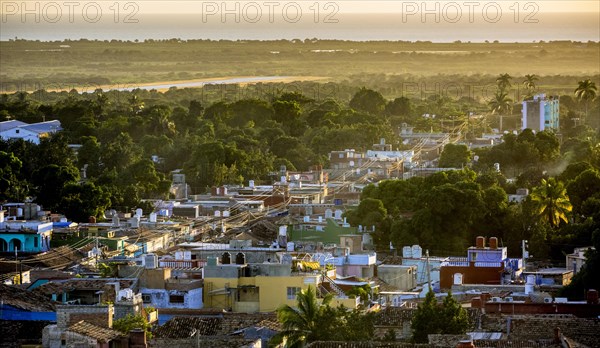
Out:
{"x": 11, "y": 313}
{"x": 222, "y": 271}
{"x": 20, "y": 133}
{"x": 155, "y": 278}
{"x": 421, "y": 269}
{"x": 100, "y": 315}
{"x": 402, "y": 277}
{"x": 124, "y": 308}
{"x": 192, "y": 299}
{"x": 471, "y": 275}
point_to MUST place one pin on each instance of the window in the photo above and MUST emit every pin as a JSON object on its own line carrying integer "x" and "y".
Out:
{"x": 146, "y": 298}
{"x": 17, "y": 131}
{"x": 292, "y": 292}
{"x": 176, "y": 299}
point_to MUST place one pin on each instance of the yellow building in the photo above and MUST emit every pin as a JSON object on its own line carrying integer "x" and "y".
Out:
{"x": 258, "y": 287}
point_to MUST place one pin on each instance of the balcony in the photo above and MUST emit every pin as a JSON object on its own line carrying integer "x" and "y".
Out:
{"x": 182, "y": 264}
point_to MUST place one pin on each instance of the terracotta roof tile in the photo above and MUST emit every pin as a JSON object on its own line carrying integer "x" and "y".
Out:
{"x": 25, "y": 300}
{"x": 184, "y": 327}
{"x": 100, "y": 334}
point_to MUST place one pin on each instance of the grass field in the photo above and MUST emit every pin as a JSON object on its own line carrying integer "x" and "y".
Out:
{"x": 31, "y": 65}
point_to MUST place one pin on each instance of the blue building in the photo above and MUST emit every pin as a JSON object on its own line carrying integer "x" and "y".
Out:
{"x": 540, "y": 113}
{"x": 24, "y": 236}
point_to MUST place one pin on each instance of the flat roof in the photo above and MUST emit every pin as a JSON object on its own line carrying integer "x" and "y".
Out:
{"x": 549, "y": 271}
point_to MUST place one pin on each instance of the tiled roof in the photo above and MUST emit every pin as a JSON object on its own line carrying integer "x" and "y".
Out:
{"x": 59, "y": 287}
{"x": 59, "y": 258}
{"x": 98, "y": 333}
{"x": 516, "y": 344}
{"x": 184, "y": 327}
{"x": 395, "y": 316}
{"x": 271, "y": 324}
{"x": 233, "y": 322}
{"x": 225, "y": 324}
{"x": 371, "y": 344}
{"x": 25, "y": 300}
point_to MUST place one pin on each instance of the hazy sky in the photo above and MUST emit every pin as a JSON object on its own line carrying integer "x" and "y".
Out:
{"x": 362, "y": 6}
{"x": 348, "y": 6}
{"x": 504, "y": 20}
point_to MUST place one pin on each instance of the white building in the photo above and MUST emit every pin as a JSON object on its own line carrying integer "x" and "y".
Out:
{"x": 577, "y": 259}
{"x": 14, "y": 129}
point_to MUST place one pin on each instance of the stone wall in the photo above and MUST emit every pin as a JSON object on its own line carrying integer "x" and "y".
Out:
{"x": 100, "y": 315}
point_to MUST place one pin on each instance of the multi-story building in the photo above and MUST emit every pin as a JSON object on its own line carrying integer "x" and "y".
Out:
{"x": 540, "y": 113}
{"x": 242, "y": 287}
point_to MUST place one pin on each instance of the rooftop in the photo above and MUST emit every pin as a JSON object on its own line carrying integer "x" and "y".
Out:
{"x": 25, "y": 300}
{"x": 58, "y": 287}
{"x": 98, "y": 333}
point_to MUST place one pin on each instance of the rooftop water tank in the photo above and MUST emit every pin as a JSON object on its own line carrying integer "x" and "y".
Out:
{"x": 417, "y": 252}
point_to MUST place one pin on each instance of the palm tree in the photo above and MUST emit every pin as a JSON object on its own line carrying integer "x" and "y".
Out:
{"x": 302, "y": 324}
{"x": 529, "y": 83}
{"x": 503, "y": 81}
{"x": 501, "y": 104}
{"x": 586, "y": 91}
{"x": 552, "y": 201}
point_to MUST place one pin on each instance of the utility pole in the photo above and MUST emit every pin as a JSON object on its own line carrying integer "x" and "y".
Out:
{"x": 525, "y": 253}
{"x": 17, "y": 261}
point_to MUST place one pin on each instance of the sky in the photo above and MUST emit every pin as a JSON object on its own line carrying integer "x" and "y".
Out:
{"x": 441, "y": 21}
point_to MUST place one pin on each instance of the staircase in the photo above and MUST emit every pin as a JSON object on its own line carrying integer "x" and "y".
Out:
{"x": 338, "y": 291}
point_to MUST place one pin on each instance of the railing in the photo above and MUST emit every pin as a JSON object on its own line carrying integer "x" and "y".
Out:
{"x": 339, "y": 292}
{"x": 467, "y": 264}
{"x": 182, "y": 264}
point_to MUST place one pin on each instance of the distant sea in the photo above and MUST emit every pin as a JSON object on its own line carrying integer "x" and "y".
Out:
{"x": 349, "y": 26}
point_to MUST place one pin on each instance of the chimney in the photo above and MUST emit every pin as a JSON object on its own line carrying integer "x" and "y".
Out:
{"x": 493, "y": 243}
{"x": 480, "y": 242}
{"x": 137, "y": 338}
{"x": 592, "y": 296}
{"x": 557, "y": 335}
{"x": 465, "y": 344}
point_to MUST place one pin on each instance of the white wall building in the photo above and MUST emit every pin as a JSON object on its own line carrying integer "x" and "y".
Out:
{"x": 14, "y": 129}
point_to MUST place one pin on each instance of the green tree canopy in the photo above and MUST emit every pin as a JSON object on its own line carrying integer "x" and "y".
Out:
{"x": 432, "y": 318}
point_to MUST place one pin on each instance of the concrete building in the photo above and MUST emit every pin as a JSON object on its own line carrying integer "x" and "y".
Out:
{"x": 402, "y": 277}
{"x": 25, "y": 236}
{"x": 160, "y": 289}
{"x": 577, "y": 259}
{"x": 540, "y": 113}
{"x": 483, "y": 265}
{"x": 249, "y": 288}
